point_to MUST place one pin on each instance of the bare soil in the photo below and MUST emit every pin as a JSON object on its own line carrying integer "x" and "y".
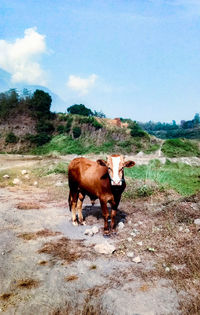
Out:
{"x": 48, "y": 266}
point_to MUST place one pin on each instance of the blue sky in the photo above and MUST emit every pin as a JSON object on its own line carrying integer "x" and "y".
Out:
{"x": 136, "y": 59}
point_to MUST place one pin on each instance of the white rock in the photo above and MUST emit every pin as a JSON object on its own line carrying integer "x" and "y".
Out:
{"x": 187, "y": 230}
{"x": 140, "y": 243}
{"x": 59, "y": 184}
{"x": 133, "y": 234}
{"x": 197, "y": 223}
{"x": 24, "y": 172}
{"x": 95, "y": 229}
{"x": 88, "y": 232}
{"x": 130, "y": 254}
{"x": 137, "y": 259}
{"x": 167, "y": 269}
{"x": 6, "y": 176}
{"x": 16, "y": 181}
{"x": 129, "y": 239}
{"x": 35, "y": 183}
{"x": 120, "y": 225}
{"x": 27, "y": 176}
{"x": 105, "y": 248}
{"x": 129, "y": 222}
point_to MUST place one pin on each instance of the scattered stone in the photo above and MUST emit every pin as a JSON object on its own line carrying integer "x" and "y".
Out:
{"x": 151, "y": 249}
{"x": 180, "y": 229}
{"x": 95, "y": 229}
{"x": 167, "y": 269}
{"x": 24, "y": 172}
{"x": 129, "y": 239}
{"x": 140, "y": 222}
{"x": 130, "y": 254}
{"x": 16, "y": 181}
{"x": 88, "y": 232}
{"x": 35, "y": 183}
{"x": 59, "y": 184}
{"x": 129, "y": 222}
{"x": 3, "y": 253}
{"x": 197, "y": 223}
{"x": 105, "y": 248}
{"x": 27, "y": 176}
{"x": 187, "y": 230}
{"x": 137, "y": 259}
{"x": 120, "y": 225}
{"x": 140, "y": 243}
{"x": 6, "y": 176}
{"x": 133, "y": 234}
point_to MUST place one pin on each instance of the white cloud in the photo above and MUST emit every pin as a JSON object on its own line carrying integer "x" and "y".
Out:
{"x": 20, "y": 57}
{"x": 81, "y": 85}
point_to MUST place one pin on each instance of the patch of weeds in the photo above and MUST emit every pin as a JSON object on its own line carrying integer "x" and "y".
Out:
{"x": 29, "y": 205}
{"x": 71, "y": 278}
{"x": 34, "y": 235}
{"x": 65, "y": 249}
{"x": 27, "y": 283}
{"x": 144, "y": 191}
{"x": 60, "y": 168}
{"x": 43, "y": 263}
{"x": 5, "y": 296}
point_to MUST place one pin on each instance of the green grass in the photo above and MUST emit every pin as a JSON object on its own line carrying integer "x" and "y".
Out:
{"x": 65, "y": 144}
{"x": 183, "y": 178}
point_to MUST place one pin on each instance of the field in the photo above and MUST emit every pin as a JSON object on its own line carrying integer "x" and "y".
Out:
{"x": 48, "y": 266}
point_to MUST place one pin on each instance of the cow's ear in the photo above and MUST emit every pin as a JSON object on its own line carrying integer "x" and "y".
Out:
{"x": 102, "y": 162}
{"x": 129, "y": 164}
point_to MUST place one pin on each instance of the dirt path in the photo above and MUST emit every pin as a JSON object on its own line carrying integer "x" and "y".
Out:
{"x": 48, "y": 266}
{"x": 66, "y": 275}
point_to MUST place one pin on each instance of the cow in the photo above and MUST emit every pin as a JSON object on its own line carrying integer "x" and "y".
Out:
{"x": 103, "y": 180}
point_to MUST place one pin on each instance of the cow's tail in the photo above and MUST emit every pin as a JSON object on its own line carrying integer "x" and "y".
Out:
{"x": 70, "y": 201}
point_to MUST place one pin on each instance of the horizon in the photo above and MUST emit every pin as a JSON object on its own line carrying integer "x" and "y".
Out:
{"x": 130, "y": 59}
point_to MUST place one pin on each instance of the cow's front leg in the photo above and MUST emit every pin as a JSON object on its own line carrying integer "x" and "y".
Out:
{"x": 105, "y": 215}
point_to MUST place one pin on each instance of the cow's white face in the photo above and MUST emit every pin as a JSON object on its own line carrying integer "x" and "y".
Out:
{"x": 115, "y": 165}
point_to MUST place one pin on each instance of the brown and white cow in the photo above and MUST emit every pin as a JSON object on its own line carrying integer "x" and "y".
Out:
{"x": 103, "y": 180}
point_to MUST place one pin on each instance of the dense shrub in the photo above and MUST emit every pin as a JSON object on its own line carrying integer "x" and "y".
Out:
{"x": 60, "y": 129}
{"x": 76, "y": 132}
{"x": 11, "y": 138}
{"x": 68, "y": 125}
{"x": 180, "y": 147}
{"x": 44, "y": 126}
{"x": 39, "y": 139}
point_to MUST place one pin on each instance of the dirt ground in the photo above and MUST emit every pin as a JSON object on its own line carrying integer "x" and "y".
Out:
{"x": 49, "y": 266}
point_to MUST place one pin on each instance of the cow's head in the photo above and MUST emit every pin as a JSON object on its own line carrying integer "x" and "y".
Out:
{"x": 115, "y": 164}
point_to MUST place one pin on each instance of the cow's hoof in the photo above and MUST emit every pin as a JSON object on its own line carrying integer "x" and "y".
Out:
{"x": 106, "y": 233}
{"x": 75, "y": 223}
{"x": 83, "y": 223}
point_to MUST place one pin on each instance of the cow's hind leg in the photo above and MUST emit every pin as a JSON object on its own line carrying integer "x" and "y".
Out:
{"x": 73, "y": 204}
{"x": 81, "y": 197}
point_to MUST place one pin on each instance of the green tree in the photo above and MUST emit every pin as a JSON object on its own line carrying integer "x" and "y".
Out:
{"x": 80, "y": 110}
{"x": 41, "y": 103}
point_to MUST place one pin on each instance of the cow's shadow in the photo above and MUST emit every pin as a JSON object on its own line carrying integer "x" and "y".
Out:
{"x": 93, "y": 213}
